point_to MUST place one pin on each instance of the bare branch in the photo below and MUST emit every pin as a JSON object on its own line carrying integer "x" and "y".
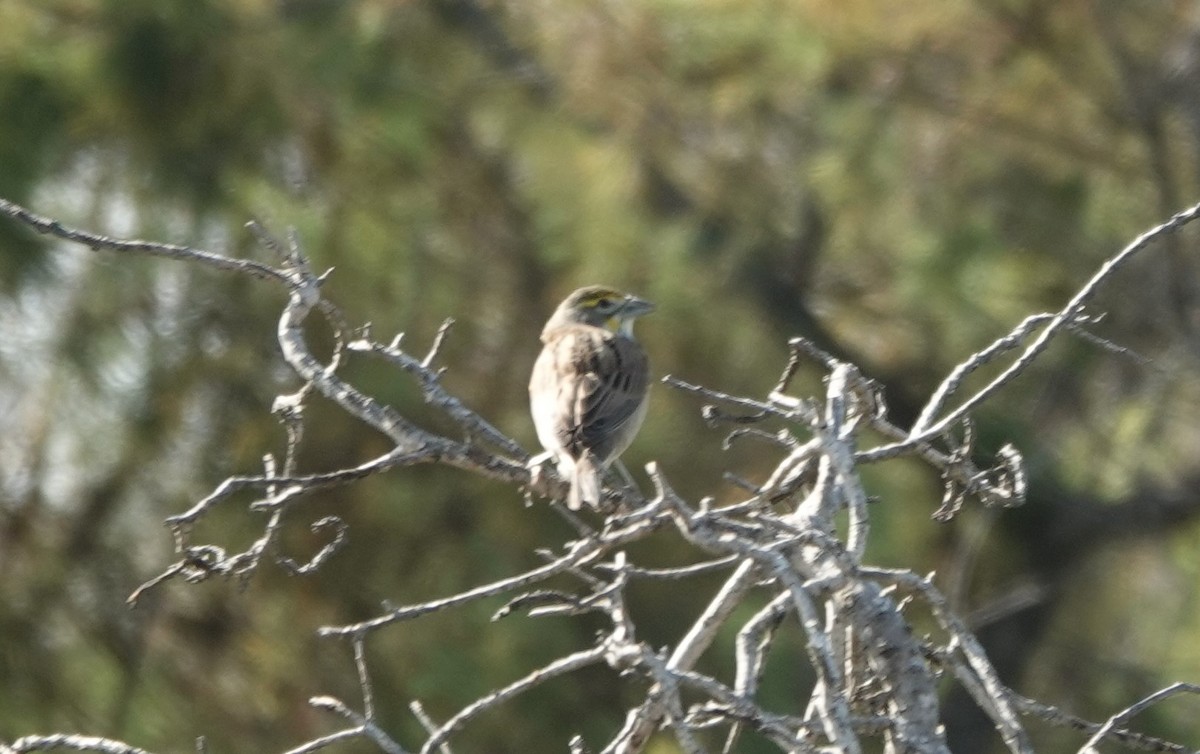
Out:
{"x": 74, "y": 743}
{"x": 436, "y": 395}
{"x": 97, "y": 242}
{"x": 559, "y": 667}
{"x": 1133, "y": 709}
{"x": 926, "y": 428}
{"x": 1131, "y": 739}
{"x": 427, "y": 722}
{"x": 580, "y": 553}
{"x": 316, "y": 561}
{"x": 363, "y": 728}
{"x": 797, "y": 542}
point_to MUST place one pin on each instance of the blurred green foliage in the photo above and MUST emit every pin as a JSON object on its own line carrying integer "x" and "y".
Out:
{"x": 902, "y": 185}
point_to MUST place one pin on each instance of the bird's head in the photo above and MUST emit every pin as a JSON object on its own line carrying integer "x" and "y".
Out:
{"x": 601, "y": 306}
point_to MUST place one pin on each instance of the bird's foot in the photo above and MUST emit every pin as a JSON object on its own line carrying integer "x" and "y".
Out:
{"x": 537, "y": 468}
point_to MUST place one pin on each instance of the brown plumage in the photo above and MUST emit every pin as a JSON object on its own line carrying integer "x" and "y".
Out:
{"x": 589, "y": 386}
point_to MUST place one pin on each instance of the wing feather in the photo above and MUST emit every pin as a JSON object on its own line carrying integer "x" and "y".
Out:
{"x": 603, "y": 386}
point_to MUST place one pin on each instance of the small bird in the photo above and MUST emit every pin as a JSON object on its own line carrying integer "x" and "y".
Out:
{"x": 589, "y": 385}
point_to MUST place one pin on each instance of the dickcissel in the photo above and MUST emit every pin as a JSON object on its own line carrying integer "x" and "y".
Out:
{"x": 589, "y": 385}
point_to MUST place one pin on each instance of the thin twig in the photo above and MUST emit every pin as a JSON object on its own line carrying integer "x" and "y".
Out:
{"x": 436, "y": 395}
{"x": 1133, "y": 709}
{"x": 580, "y": 553}
{"x": 96, "y": 242}
{"x": 1132, "y": 739}
{"x": 679, "y": 572}
{"x": 75, "y": 743}
{"x": 287, "y": 488}
{"x": 428, "y": 724}
{"x": 438, "y": 339}
{"x": 928, "y": 429}
{"x": 554, "y": 669}
{"x": 363, "y": 727}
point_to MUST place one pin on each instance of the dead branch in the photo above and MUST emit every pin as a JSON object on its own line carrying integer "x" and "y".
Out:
{"x": 796, "y": 540}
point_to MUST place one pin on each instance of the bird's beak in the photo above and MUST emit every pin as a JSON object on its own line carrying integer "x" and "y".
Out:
{"x": 632, "y": 308}
{"x": 635, "y": 307}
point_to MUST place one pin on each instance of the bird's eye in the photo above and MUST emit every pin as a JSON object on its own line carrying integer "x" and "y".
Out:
{"x": 606, "y": 304}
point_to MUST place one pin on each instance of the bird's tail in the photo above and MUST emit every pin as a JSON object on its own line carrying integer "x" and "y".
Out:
{"x": 585, "y": 483}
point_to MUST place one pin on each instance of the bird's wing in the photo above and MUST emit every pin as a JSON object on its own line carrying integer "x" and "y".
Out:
{"x": 611, "y": 378}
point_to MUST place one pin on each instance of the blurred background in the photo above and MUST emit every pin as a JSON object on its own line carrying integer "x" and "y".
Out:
{"x": 901, "y": 185}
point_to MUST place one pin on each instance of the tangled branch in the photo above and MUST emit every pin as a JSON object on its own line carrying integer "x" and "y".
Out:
{"x": 873, "y": 679}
